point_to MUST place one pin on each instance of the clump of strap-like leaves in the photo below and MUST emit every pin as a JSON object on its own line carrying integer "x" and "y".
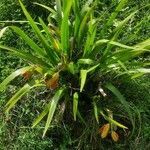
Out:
{"x": 73, "y": 54}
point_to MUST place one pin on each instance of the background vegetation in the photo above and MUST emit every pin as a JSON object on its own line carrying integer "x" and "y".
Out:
{"x": 15, "y": 131}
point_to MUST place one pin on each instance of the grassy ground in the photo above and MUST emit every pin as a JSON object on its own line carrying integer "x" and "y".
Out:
{"x": 15, "y": 131}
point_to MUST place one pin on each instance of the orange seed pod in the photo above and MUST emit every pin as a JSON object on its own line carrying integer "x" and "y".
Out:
{"x": 27, "y": 75}
{"x": 114, "y": 136}
{"x": 53, "y": 82}
{"x": 104, "y": 130}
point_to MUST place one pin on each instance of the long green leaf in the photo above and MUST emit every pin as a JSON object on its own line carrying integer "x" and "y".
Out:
{"x": 46, "y": 7}
{"x": 136, "y": 72}
{"x": 54, "y": 42}
{"x": 95, "y": 111}
{"x": 113, "y": 121}
{"x": 26, "y": 56}
{"x": 86, "y": 7}
{"x": 139, "y": 70}
{"x": 124, "y": 55}
{"x": 121, "y": 99}
{"x": 29, "y": 41}
{"x": 117, "y": 32}
{"x": 2, "y": 31}
{"x": 90, "y": 36}
{"x": 102, "y": 41}
{"x": 143, "y": 45}
{"x": 85, "y": 61}
{"x": 143, "y": 70}
{"x": 113, "y": 16}
{"x": 77, "y": 17}
{"x": 119, "y": 28}
{"x": 13, "y": 76}
{"x": 52, "y": 108}
{"x": 65, "y": 27}
{"x": 59, "y": 11}
{"x": 75, "y": 104}
{"x": 48, "y": 49}
{"x": 83, "y": 26}
{"x": 115, "y": 13}
{"x": 93, "y": 68}
{"x": 17, "y": 21}
{"x": 83, "y": 75}
{"x": 41, "y": 115}
{"x": 25, "y": 89}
